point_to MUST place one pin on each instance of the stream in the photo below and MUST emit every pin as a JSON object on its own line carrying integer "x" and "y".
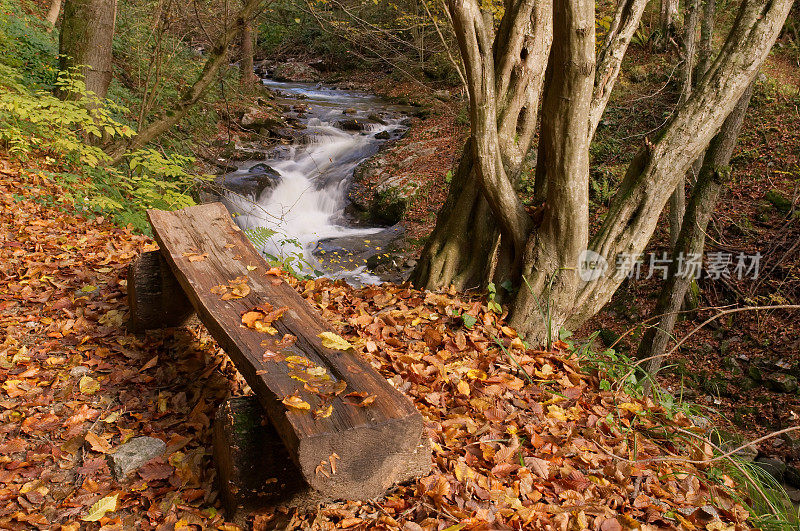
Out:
{"x": 306, "y": 182}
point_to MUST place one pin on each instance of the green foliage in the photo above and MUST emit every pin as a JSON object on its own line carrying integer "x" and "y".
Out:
{"x": 492, "y": 304}
{"x": 26, "y": 46}
{"x": 290, "y": 258}
{"x": 35, "y": 121}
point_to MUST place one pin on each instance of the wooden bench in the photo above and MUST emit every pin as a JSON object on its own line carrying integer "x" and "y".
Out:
{"x": 342, "y": 448}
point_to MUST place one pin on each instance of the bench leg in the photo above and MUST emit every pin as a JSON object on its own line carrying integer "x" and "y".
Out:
{"x": 155, "y": 298}
{"x": 254, "y": 470}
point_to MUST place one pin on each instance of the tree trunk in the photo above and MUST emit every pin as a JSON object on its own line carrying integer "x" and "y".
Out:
{"x": 669, "y": 12}
{"x": 52, "y": 14}
{"x": 477, "y": 234}
{"x": 706, "y": 48}
{"x": 190, "y": 96}
{"x": 677, "y": 203}
{"x": 713, "y": 175}
{"x": 87, "y": 32}
{"x": 246, "y": 76}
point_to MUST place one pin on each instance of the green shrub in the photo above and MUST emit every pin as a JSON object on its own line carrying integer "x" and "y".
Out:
{"x": 26, "y": 46}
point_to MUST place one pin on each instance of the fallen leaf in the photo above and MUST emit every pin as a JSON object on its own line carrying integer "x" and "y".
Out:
{"x": 88, "y": 385}
{"x": 295, "y": 402}
{"x": 99, "y": 509}
{"x": 334, "y": 341}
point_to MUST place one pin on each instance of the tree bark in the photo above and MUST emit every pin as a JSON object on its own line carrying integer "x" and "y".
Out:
{"x": 87, "y": 32}
{"x": 677, "y": 202}
{"x": 246, "y": 76}
{"x": 190, "y": 96}
{"x": 706, "y": 48}
{"x": 52, "y": 14}
{"x": 479, "y": 203}
{"x": 713, "y": 176}
{"x": 552, "y": 252}
{"x": 669, "y": 12}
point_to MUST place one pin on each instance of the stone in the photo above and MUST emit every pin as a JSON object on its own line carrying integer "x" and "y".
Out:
{"x": 133, "y": 454}
{"x": 781, "y": 203}
{"x": 350, "y": 125}
{"x": 781, "y": 382}
{"x": 295, "y": 71}
{"x": 772, "y": 466}
{"x": 442, "y": 95}
{"x": 350, "y": 110}
{"x": 728, "y": 441}
{"x": 78, "y": 371}
{"x": 375, "y": 118}
{"x": 249, "y": 184}
{"x": 383, "y": 135}
{"x": 792, "y": 476}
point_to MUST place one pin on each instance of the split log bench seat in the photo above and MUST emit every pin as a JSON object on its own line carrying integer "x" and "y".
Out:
{"x": 339, "y": 448}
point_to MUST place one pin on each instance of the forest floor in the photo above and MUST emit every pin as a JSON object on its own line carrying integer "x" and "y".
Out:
{"x": 742, "y": 370}
{"x": 520, "y": 437}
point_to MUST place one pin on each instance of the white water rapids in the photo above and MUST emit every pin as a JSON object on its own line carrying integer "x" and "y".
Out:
{"x": 307, "y": 204}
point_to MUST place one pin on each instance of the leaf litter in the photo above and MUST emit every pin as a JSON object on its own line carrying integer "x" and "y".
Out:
{"x": 555, "y": 453}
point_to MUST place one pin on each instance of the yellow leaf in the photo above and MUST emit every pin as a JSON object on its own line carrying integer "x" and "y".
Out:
{"x": 99, "y": 509}
{"x": 323, "y": 412}
{"x": 633, "y": 407}
{"x": 463, "y": 387}
{"x": 556, "y": 412}
{"x": 456, "y": 527}
{"x": 88, "y": 385}
{"x": 251, "y": 268}
{"x": 299, "y": 360}
{"x": 476, "y": 374}
{"x": 295, "y": 402}
{"x": 97, "y": 443}
{"x": 331, "y": 340}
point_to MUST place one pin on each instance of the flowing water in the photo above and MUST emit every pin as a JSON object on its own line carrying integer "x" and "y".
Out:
{"x": 306, "y": 206}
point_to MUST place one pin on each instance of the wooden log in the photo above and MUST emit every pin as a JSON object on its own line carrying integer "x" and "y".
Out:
{"x": 355, "y": 452}
{"x": 155, "y": 298}
{"x": 254, "y": 469}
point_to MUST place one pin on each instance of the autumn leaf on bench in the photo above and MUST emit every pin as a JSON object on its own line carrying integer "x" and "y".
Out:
{"x": 261, "y": 318}
{"x": 361, "y": 399}
{"x": 236, "y": 289}
{"x": 295, "y": 402}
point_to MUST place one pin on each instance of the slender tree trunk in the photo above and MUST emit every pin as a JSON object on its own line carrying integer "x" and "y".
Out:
{"x": 713, "y": 176}
{"x": 677, "y": 203}
{"x": 52, "y": 14}
{"x": 706, "y": 48}
{"x": 190, "y": 96}
{"x": 669, "y": 12}
{"x": 246, "y": 75}
{"x": 87, "y": 32}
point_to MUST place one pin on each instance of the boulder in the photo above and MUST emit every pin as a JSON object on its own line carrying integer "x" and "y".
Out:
{"x": 781, "y": 203}
{"x": 781, "y": 382}
{"x": 133, "y": 454}
{"x": 350, "y": 125}
{"x": 256, "y": 118}
{"x": 250, "y": 184}
{"x": 383, "y": 135}
{"x": 772, "y": 466}
{"x": 295, "y": 71}
{"x": 728, "y": 441}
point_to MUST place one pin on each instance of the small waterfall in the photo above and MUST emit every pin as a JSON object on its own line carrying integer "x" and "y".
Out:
{"x": 307, "y": 203}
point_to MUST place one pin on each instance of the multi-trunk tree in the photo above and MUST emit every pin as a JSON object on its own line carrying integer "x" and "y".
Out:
{"x": 539, "y": 69}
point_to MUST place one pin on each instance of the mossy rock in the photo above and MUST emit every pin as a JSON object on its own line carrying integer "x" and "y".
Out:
{"x": 781, "y": 203}
{"x": 608, "y": 337}
{"x": 388, "y": 206}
